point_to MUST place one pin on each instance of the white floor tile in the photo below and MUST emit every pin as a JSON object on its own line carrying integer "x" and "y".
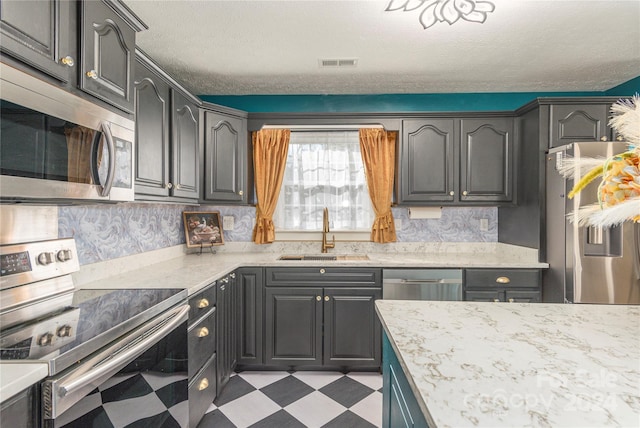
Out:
{"x": 211, "y": 408}
{"x": 370, "y": 408}
{"x": 249, "y": 409}
{"x": 122, "y": 413}
{"x": 315, "y": 409}
{"x": 372, "y": 380}
{"x": 318, "y": 379}
{"x": 262, "y": 379}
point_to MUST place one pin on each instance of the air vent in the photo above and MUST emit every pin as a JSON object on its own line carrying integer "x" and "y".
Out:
{"x": 338, "y": 63}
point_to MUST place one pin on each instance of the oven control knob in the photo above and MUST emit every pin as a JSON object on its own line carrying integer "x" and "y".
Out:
{"x": 45, "y": 340}
{"x": 64, "y": 331}
{"x": 45, "y": 258}
{"x": 64, "y": 255}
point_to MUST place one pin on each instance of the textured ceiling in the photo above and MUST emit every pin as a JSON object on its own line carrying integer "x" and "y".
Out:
{"x": 221, "y": 47}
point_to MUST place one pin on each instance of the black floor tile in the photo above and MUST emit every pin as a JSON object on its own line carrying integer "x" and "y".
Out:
{"x": 346, "y": 391}
{"x": 280, "y": 419}
{"x": 287, "y": 390}
{"x": 215, "y": 419}
{"x": 135, "y": 386}
{"x": 348, "y": 419}
{"x": 235, "y": 388}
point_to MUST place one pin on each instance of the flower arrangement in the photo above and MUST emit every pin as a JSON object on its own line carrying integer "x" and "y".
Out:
{"x": 619, "y": 190}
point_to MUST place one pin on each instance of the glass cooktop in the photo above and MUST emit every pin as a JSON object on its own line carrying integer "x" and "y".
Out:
{"x": 94, "y": 319}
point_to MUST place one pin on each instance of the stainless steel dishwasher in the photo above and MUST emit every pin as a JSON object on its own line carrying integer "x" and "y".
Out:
{"x": 422, "y": 284}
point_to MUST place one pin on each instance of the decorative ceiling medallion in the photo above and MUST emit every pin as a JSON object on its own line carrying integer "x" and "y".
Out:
{"x": 450, "y": 11}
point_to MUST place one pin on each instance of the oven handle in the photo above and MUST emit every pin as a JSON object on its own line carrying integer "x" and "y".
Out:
{"x": 106, "y": 130}
{"x": 124, "y": 356}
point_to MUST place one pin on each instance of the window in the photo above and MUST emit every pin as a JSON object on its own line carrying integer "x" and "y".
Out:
{"x": 324, "y": 169}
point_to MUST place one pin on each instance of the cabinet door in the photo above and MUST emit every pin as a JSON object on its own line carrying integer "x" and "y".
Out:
{"x": 224, "y": 315}
{"x": 427, "y": 161}
{"x": 351, "y": 327}
{"x": 108, "y": 50}
{"x": 184, "y": 143}
{"x": 232, "y": 331}
{"x": 293, "y": 333}
{"x": 38, "y": 32}
{"x": 574, "y": 123}
{"x": 152, "y": 133}
{"x": 21, "y": 410}
{"x": 484, "y": 296}
{"x": 249, "y": 316}
{"x": 225, "y": 158}
{"x": 522, "y": 296}
{"x": 486, "y": 160}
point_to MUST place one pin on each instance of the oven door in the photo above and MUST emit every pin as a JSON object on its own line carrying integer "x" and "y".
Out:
{"x": 142, "y": 380}
{"x": 57, "y": 146}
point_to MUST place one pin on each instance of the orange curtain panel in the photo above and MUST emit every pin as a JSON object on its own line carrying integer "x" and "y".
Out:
{"x": 270, "y": 148}
{"x": 378, "y": 148}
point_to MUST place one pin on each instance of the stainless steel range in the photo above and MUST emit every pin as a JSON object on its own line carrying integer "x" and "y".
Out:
{"x": 102, "y": 347}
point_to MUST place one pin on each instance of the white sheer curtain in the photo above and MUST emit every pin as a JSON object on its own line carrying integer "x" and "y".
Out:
{"x": 324, "y": 169}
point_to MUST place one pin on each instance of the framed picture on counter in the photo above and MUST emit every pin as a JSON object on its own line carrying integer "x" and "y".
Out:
{"x": 202, "y": 229}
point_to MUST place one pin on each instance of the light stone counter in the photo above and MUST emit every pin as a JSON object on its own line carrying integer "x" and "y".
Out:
{"x": 15, "y": 377}
{"x": 171, "y": 268}
{"x": 518, "y": 364}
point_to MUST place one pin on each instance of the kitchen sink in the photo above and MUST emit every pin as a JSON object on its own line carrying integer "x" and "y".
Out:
{"x": 324, "y": 257}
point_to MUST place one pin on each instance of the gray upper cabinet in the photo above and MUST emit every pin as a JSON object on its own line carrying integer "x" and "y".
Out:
{"x": 185, "y": 149}
{"x": 167, "y": 136}
{"x": 486, "y": 160}
{"x": 226, "y": 162}
{"x": 578, "y": 122}
{"x": 456, "y": 161}
{"x": 152, "y": 99}
{"x": 40, "y": 33}
{"x": 108, "y": 30}
{"x": 427, "y": 164}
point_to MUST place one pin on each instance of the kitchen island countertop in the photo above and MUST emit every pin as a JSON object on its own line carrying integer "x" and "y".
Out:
{"x": 518, "y": 364}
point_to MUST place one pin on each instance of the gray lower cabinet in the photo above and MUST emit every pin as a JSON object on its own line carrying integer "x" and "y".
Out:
{"x": 107, "y": 51}
{"x": 202, "y": 334}
{"x": 167, "y": 137}
{"x": 250, "y": 327}
{"x": 503, "y": 285}
{"x": 226, "y": 348}
{"x": 457, "y": 161}
{"x": 226, "y": 160}
{"x": 311, "y": 325}
{"x": 41, "y": 33}
{"x": 21, "y": 410}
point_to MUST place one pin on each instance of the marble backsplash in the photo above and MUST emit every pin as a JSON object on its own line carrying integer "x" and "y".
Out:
{"x": 105, "y": 232}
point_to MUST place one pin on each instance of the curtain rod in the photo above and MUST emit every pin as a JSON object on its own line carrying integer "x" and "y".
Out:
{"x": 342, "y": 127}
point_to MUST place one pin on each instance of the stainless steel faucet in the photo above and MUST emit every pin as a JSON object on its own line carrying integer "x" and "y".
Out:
{"x": 325, "y": 230}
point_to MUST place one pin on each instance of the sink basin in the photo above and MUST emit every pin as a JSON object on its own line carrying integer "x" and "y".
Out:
{"x": 324, "y": 257}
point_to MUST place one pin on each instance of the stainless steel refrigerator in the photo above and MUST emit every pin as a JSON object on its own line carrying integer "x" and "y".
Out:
{"x": 587, "y": 264}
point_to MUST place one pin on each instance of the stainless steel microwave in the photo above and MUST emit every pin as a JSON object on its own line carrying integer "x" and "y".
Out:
{"x": 56, "y": 146}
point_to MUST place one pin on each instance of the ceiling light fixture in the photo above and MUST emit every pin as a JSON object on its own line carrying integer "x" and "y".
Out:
{"x": 450, "y": 11}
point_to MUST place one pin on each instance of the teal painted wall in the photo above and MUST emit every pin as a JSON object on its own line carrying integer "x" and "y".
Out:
{"x": 493, "y": 101}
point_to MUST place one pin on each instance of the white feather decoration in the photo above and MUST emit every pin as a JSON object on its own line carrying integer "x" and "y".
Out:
{"x": 582, "y": 165}
{"x": 625, "y": 119}
{"x": 594, "y": 215}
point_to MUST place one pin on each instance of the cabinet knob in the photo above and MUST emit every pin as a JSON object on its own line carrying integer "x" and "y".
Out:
{"x": 203, "y": 332}
{"x": 68, "y": 61}
{"x": 232, "y": 275}
{"x": 168, "y": 185}
{"x": 511, "y": 300}
{"x": 204, "y": 384}
{"x": 465, "y": 193}
{"x": 326, "y": 298}
{"x": 322, "y": 271}
{"x": 240, "y": 192}
{"x": 203, "y": 303}
{"x": 503, "y": 280}
{"x": 496, "y": 300}
{"x": 451, "y": 193}
{"x": 177, "y": 186}
{"x": 619, "y": 138}
{"x": 92, "y": 74}
{"x": 603, "y": 138}
{"x": 318, "y": 298}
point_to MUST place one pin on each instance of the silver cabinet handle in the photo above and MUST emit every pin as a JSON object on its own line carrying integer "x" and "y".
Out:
{"x": 326, "y": 298}
{"x": 121, "y": 355}
{"x": 322, "y": 271}
{"x": 451, "y": 193}
{"x": 106, "y": 130}
{"x": 318, "y": 298}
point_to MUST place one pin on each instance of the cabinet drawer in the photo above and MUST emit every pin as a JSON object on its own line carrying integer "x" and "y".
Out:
{"x": 202, "y": 392}
{"x": 508, "y": 278}
{"x": 202, "y": 303}
{"x": 522, "y": 296}
{"x": 318, "y": 276}
{"x": 484, "y": 296}
{"x": 202, "y": 342}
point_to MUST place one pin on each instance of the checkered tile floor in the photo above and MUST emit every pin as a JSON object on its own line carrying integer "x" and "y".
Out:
{"x": 297, "y": 400}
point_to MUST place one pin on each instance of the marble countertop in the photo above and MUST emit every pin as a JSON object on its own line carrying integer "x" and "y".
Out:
{"x": 15, "y": 377}
{"x": 518, "y": 364}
